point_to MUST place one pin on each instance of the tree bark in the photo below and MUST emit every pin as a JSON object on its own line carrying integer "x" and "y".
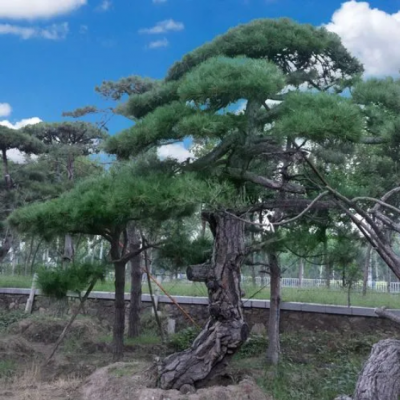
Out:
{"x": 198, "y": 272}
{"x": 153, "y": 302}
{"x": 119, "y": 316}
{"x": 136, "y": 284}
{"x": 34, "y": 255}
{"x": 327, "y": 263}
{"x": 274, "y": 347}
{"x": 28, "y": 255}
{"x": 380, "y": 377}
{"x": 301, "y": 272}
{"x": 6, "y": 246}
{"x": 69, "y": 251}
{"x": 366, "y": 270}
{"x": 226, "y": 329}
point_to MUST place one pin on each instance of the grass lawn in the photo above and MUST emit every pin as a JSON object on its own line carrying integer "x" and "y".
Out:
{"x": 185, "y": 288}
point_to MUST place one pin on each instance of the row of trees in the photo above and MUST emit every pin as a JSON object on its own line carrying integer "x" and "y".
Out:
{"x": 308, "y": 165}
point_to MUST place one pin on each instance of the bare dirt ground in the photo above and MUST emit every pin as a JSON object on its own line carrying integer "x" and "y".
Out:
{"x": 24, "y": 348}
{"x": 314, "y": 366}
{"x": 25, "y": 345}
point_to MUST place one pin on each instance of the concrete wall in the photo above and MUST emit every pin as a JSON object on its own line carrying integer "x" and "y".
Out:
{"x": 294, "y": 316}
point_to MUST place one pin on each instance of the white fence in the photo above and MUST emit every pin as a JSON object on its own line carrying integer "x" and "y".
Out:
{"x": 377, "y": 286}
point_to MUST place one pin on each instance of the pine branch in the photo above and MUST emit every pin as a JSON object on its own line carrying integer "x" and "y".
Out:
{"x": 311, "y": 205}
{"x": 265, "y": 182}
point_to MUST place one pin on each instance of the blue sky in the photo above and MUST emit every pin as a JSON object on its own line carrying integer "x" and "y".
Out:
{"x": 54, "y": 56}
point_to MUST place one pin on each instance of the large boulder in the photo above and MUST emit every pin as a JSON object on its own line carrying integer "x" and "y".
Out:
{"x": 129, "y": 381}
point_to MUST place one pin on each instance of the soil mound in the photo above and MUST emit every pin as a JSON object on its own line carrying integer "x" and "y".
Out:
{"x": 15, "y": 348}
{"x": 47, "y": 330}
{"x": 128, "y": 381}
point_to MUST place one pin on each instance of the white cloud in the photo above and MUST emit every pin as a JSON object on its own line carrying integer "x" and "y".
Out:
{"x": 5, "y": 109}
{"x": 14, "y": 154}
{"x": 243, "y": 104}
{"x": 105, "y": 5}
{"x": 165, "y": 26}
{"x": 159, "y": 43}
{"x": 369, "y": 34}
{"x": 176, "y": 150}
{"x": 31, "y": 9}
{"x": 52, "y": 32}
{"x": 20, "y": 124}
{"x": 55, "y": 31}
{"x": 23, "y": 32}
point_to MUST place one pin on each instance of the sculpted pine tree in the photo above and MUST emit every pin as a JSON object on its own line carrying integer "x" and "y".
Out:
{"x": 248, "y": 66}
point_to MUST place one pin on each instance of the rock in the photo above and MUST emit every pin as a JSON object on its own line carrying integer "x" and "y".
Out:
{"x": 343, "y": 397}
{"x": 128, "y": 381}
{"x": 11, "y": 306}
{"x": 258, "y": 329}
{"x": 186, "y": 389}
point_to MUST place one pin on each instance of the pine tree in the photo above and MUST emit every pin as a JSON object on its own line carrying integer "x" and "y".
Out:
{"x": 105, "y": 206}
{"x": 12, "y": 139}
{"x": 66, "y": 142}
{"x": 255, "y": 151}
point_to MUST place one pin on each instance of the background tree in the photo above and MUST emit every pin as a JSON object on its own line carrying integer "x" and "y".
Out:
{"x": 115, "y": 91}
{"x": 105, "y": 206}
{"x": 67, "y": 142}
{"x": 12, "y": 139}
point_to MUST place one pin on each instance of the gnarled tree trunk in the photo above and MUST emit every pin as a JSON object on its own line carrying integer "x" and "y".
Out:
{"x": 136, "y": 284}
{"x": 5, "y": 246}
{"x": 119, "y": 304}
{"x": 380, "y": 377}
{"x": 226, "y": 329}
{"x": 274, "y": 347}
{"x": 69, "y": 250}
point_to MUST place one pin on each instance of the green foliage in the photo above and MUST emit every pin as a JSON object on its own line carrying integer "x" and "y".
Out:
{"x": 76, "y": 278}
{"x": 126, "y": 86}
{"x": 281, "y": 41}
{"x": 71, "y": 137}
{"x": 110, "y": 201}
{"x": 221, "y": 81}
{"x": 11, "y": 138}
{"x": 322, "y": 117}
{"x": 139, "y": 105}
{"x": 180, "y": 250}
{"x": 380, "y": 99}
{"x": 376, "y": 91}
{"x": 156, "y": 128}
{"x": 206, "y": 125}
{"x": 183, "y": 339}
